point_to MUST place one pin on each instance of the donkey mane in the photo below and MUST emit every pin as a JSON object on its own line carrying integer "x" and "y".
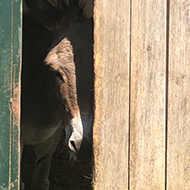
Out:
{"x": 49, "y": 12}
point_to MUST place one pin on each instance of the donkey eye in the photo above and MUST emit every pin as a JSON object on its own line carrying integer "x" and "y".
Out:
{"x": 59, "y": 77}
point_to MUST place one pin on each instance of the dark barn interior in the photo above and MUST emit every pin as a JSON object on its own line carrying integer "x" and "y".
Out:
{"x": 42, "y": 24}
{"x": 65, "y": 174}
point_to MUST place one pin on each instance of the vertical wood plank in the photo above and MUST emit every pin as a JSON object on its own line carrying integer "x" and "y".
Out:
{"x": 15, "y": 102}
{"x": 111, "y": 49}
{"x": 148, "y": 96}
{"x": 5, "y": 88}
{"x": 10, "y": 63}
{"x": 178, "y": 163}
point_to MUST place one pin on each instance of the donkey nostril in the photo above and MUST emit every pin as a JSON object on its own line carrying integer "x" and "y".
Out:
{"x": 72, "y": 146}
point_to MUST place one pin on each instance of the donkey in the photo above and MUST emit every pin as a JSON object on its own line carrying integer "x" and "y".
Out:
{"x": 57, "y": 84}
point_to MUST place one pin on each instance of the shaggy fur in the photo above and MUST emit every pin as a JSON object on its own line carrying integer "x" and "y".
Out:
{"x": 57, "y": 82}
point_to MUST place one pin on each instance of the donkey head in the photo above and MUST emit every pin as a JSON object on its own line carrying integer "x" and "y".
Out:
{"x": 61, "y": 61}
{"x": 71, "y": 64}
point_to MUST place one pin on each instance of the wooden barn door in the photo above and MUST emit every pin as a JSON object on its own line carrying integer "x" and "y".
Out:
{"x": 10, "y": 62}
{"x": 178, "y": 141}
{"x": 142, "y": 95}
{"x": 112, "y": 87}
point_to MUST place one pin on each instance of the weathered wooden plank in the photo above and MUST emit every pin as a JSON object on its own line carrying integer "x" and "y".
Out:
{"x": 5, "y": 88}
{"x": 111, "y": 48}
{"x": 178, "y": 148}
{"x": 16, "y": 94}
{"x": 148, "y": 96}
{"x": 10, "y": 59}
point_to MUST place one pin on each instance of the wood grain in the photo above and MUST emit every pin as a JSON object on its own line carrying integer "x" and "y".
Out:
{"x": 178, "y": 162}
{"x": 10, "y": 71}
{"x": 112, "y": 42}
{"x": 148, "y": 96}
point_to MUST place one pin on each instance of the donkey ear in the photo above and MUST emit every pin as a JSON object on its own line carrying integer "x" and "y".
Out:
{"x": 87, "y": 6}
{"x": 43, "y": 11}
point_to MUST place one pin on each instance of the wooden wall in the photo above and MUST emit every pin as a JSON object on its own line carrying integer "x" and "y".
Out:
{"x": 10, "y": 71}
{"x": 142, "y": 95}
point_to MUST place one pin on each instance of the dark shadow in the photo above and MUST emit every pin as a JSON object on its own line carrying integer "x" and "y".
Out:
{"x": 65, "y": 174}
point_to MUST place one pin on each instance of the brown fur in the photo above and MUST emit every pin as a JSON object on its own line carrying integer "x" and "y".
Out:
{"x": 53, "y": 90}
{"x": 61, "y": 59}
